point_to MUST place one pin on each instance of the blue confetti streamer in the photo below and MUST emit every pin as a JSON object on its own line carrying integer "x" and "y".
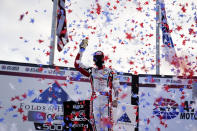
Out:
{"x": 32, "y": 20}
{"x": 27, "y": 58}
{"x": 20, "y": 80}
{"x": 1, "y": 120}
{"x": 30, "y": 93}
{"x": 124, "y": 108}
{"x": 15, "y": 115}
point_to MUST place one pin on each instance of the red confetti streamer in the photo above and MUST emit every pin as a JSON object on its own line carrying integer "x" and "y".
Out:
{"x": 129, "y": 36}
{"x": 40, "y": 41}
{"x": 47, "y": 53}
{"x": 20, "y": 110}
{"x": 98, "y": 9}
{"x": 123, "y": 95}
{"x": 179, "y": 28}
{"x": 24, "y": 118}
{"x": 69, "y": 11}
{"x": 65, "y": 62}
{"x": 183, "y": 9}
{"x": 139, "y": 9}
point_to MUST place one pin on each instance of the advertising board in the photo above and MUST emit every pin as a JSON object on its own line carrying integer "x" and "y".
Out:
{"x": 32, "y": 96}
{"x": 166, "y": 104}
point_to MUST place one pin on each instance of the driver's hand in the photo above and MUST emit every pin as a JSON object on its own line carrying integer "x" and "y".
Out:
{"x": 84, "y": 44}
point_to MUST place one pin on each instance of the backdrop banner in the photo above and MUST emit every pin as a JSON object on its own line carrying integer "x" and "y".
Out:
{"x": 166, "y": 104}
{"x": 32, "y": 96}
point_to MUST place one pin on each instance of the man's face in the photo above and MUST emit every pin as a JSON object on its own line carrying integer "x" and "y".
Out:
{"x": 99, "y": 60}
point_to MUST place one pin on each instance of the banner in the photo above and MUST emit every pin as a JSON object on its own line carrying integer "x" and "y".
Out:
{"x": 166, "y": 104}
{"x": 32, "y": 96}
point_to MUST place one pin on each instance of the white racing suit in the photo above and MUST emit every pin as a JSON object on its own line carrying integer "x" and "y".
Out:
{"x": 102, "y": 82}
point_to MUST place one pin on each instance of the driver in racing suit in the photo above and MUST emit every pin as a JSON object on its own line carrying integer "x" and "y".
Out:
{"x": 103, "y": 80}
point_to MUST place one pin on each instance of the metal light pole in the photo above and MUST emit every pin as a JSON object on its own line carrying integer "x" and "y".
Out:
{"x": 158, "y": 11}
{"x": 53, "y": 33}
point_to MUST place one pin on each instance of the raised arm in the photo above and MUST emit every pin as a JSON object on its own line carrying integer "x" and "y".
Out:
{"x": 78, "y": 64}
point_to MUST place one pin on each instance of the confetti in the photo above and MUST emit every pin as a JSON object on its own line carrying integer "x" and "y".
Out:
{"x": 127, "y": 38}
{"x": 1, "y": 120}
{"x": 30, "y": 93}
{"x": 27, "y": 58}
{"x": 32, "y": 20}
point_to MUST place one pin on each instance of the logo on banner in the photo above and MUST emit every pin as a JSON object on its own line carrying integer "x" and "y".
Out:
{"x": 168, "y": 109}
{"x": 52, "y": 95}
{"x": 30, "y": 69}
{"x": 124, "y": 118}
{"x": 165, "y": 108}
{"x": 10, "y": 67}
{"x": 36, "y": 116}
{"x": 47, "y": 107}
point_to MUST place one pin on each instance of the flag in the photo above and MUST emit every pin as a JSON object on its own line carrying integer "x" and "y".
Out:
{"x": 61, "y": 32}
{"x": 168, "y": 46}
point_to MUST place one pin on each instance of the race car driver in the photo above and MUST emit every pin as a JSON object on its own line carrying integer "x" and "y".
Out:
{"x": 103, "y": 80}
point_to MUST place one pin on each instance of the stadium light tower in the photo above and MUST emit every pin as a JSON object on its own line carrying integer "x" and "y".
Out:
{"x": 53, "y": 33}
{"x": 158, "y": 37}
